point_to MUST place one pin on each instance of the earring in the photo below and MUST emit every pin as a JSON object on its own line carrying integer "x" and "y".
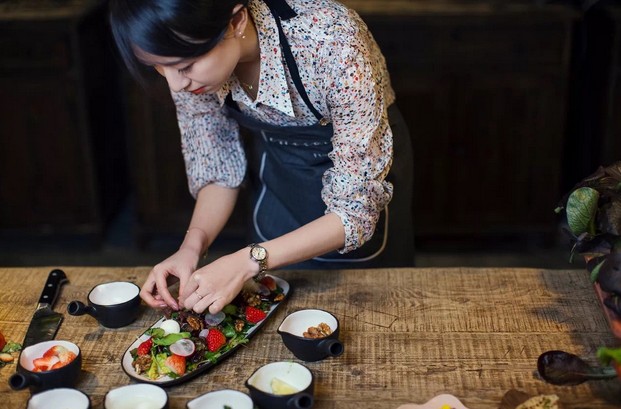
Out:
{"x": 244, "y": 37}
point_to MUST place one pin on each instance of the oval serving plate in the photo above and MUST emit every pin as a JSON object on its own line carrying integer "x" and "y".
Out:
{"x": 127, "y": 359}
{"x": 437, "y": 402}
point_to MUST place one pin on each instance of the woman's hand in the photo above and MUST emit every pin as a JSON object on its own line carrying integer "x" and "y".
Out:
{"x": 155, "y": 291}
{"x": 218, "y": 283}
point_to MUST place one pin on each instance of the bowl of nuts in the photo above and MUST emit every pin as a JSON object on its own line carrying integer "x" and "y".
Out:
{"x": 311, "y": 335}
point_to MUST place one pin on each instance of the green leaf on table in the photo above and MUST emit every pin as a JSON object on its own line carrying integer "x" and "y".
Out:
{"x": 12, "y": 347}
{"x": 581, "y": 209}
{"x": 606, "y": 355}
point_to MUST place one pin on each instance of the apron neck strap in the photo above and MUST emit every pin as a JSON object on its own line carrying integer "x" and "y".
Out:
{"x": 282, "y": 11}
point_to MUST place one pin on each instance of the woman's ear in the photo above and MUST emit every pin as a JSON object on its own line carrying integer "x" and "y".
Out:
{"x": 239, "y": 20}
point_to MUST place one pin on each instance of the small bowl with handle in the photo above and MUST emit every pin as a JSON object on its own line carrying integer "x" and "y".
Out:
{"x": 115, "y": 304}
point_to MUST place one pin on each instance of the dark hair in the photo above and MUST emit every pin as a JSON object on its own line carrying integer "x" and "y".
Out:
{"x": 170, "y": 28}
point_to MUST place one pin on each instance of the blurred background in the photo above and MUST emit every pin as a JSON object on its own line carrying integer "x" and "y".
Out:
{"x": 509, "y": 104}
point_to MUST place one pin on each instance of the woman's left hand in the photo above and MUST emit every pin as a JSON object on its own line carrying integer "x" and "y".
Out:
{"x": 218, "y": 283}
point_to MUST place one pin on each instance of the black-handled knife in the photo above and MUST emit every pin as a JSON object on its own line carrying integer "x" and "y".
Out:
{"x": 45, "y": 322}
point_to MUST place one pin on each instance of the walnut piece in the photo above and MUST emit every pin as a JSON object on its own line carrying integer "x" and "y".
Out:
{"x": 142, "y": 363}
{"x": 195, "y": 322}
{"x": 320, "y": 331}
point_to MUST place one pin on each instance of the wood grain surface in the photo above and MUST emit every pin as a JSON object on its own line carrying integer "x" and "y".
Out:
{"x": 409, "y": 334}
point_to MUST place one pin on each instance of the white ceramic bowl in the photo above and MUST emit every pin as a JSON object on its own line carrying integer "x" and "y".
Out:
{"x": 221, "y": 399}
{"x": 136, "y": 396}
{"x": 116, "y": 292}
{"x": 60, "y": 398}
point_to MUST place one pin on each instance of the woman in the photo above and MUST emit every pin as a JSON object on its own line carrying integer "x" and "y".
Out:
{"x": 306, "y": 78}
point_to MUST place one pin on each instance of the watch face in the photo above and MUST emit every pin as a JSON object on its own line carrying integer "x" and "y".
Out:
{"x": 259, "y": 253}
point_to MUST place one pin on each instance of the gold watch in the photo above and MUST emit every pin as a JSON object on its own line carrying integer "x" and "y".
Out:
{"x": 259, "y": 254}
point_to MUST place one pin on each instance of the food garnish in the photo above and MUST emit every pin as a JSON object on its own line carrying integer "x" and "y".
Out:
{"x": 280, "y": 387}
{"x": 540, "y": 402}
{"x": 186, "y": 340}
{"x": 609, "y": 356}
{"x": 6, "y": 348}
{"x": 320, "y": 331}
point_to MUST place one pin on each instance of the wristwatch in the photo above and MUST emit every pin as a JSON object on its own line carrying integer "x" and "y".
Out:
{"x": 259, "y": 254}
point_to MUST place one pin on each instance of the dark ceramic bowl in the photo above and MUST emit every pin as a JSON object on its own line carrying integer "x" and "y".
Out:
{"x": 294, "y": 326}
{"x": 59, "y": 398}
{"x": 282, "y": 385}
{"x": 221, "y": 399}
{"x": 137, "y": 395}
{"x": 114, "y": 305}
{"x": 63, "y": 377}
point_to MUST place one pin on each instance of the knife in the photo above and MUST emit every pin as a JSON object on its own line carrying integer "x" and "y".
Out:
{"x": 45, "y": 322}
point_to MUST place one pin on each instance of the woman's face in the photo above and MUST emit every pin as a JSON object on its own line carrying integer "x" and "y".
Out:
{"x": 204, "y": 74}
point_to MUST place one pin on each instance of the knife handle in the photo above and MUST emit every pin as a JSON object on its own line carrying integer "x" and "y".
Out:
{"x": 55, "y": 280}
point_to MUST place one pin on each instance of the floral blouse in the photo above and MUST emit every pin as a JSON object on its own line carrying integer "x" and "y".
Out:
{"x": 345, "y": 77}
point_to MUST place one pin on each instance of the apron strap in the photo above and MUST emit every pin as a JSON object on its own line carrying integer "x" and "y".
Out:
{"x": 281, "y": 10}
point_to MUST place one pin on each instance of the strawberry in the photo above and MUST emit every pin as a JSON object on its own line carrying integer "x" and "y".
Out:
{"x": 269, "y": 282}
{"x": 215, "y": 339}
{"x": 45, "y": 363}
{"x": 64, "y": 355}
{"x": 254, "y": 315}
{"x": 145, "y": 347}
{"x": 176, "y": 364}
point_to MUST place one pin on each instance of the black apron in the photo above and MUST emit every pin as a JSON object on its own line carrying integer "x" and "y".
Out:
{"x": 286, "y": 167}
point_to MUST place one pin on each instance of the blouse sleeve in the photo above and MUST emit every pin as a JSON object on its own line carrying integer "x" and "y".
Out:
{"x": 210, "y": 142}
{"x": 355, "y": 188}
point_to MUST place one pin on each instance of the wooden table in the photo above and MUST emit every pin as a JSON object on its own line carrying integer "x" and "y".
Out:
{"x": 409, "y": 334}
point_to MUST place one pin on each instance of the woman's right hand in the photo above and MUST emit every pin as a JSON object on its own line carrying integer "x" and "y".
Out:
{"x": 180, "y": 265}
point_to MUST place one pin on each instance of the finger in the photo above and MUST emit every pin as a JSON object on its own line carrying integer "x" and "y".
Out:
{"x": 192, "y": 299}
{"x": 183, "y": 280}
{"x": 202, "y": 302}
{"x": 217, "y": 306}
{"x": 152, "y": 301}
{"x": 190, "y": 287}
{"x": 162, "y": 290}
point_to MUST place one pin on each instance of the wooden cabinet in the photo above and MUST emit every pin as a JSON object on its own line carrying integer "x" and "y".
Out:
{"x": 484, "y": 91}
{"x": 62, "y": 154}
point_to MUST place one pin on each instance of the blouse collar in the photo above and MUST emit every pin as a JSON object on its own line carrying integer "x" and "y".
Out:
{"x": 273, "y": 88}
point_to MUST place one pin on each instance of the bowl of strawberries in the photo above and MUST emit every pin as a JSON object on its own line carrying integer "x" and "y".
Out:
{"x": 47, "y": 365}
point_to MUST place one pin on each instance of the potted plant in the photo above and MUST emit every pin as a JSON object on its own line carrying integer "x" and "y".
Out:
{"x": 593, "y": 212}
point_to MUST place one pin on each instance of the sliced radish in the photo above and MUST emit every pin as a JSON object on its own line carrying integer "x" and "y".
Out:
{"x": 214, "y": 319}
{"x": 183, "y": 347}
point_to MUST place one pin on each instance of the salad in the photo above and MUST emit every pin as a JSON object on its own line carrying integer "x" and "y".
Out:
{"x": 186, "y": 340}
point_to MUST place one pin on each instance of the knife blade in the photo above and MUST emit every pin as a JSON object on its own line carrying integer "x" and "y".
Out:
{"x": 45, "y": 322}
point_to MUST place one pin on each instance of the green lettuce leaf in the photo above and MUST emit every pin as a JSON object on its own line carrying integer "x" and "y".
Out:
{"x": 171, "y": 338}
